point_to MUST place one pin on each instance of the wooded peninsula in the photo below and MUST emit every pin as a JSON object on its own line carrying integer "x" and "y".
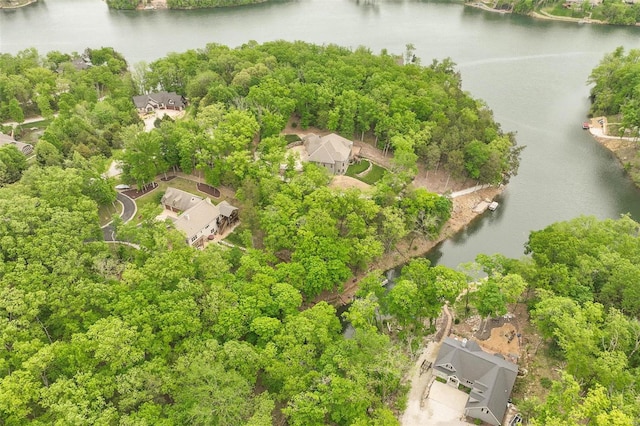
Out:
{"x": 156, "y": 331}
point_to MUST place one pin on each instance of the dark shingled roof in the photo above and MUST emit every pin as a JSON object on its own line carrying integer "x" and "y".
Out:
{"x": 159, "y": 98}
{"x": 492, "y": 375}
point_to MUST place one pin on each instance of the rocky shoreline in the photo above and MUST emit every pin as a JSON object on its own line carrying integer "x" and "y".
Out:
{"x": 625, "y": 149}
{"x": 537, "y": 14}
{"x": 462, "y": 215}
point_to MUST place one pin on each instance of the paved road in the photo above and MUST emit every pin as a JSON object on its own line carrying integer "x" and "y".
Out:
{"x": 27, "y": 121}
{"x": 129, "y": 210}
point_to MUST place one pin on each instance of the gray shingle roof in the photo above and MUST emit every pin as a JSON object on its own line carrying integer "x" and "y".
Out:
{"x": 327, "y": 149}
{"x": 165, "y": 99}
{"x": 226, "y": 209}
{"x": 492, "y": 375}
{"x": 25, "y": 148}
{"x": 197, "y": 217}
{"x": 179, "y": 199}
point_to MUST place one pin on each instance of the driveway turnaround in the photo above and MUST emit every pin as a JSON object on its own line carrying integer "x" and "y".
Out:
{"x": 444, "y": 406}
{"x": 129, "y": 210}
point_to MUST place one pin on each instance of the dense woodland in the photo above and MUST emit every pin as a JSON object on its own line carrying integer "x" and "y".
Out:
{"x": 615, "y": 94}
{"x": 587, "y": 301}
{"x": 107, "y": 334}
{"x": 615, "y": 88}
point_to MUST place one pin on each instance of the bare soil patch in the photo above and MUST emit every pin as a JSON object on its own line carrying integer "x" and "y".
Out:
{"x": 529, "y": 350}
{"x": 501, "y": 335}
{"x": 346, "y": 182}
{"x": 208, "y": 189}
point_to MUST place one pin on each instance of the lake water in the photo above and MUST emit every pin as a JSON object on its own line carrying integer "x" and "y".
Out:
{"x": 531, "y": 73}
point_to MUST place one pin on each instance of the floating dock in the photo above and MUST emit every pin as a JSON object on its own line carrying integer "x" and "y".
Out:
{"x": 481, "y": 207}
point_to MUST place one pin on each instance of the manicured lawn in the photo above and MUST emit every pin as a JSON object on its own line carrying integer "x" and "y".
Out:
{"x": 558, "y": 10}
{"x": 31, "y": 132}
{"x": 374, "y": 175}
{"x": 105, "y": 213}
{"x": 356, "y": 168}
{"x": 42, "y": 124}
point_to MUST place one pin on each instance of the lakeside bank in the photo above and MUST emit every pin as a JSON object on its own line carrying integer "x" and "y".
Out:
{"x": 538, "y": 15}
{"x": 17, "y": 6}
{"x": 462, "y": 215}
{"x": 624, "y": 149}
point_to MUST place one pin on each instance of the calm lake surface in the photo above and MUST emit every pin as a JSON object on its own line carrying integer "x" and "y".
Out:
{"x": 531, "y": 73}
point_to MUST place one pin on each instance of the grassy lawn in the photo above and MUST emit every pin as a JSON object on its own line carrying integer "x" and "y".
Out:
{"x": 42, "y": 124}
{"x": 105, "y": 213}
{"x": 356, "y": 168}
{"x": 374, "y": 175}
{"x": 291, "y": 138}
{"x": 31, "y": 132}
{"x": 558, "y": 10}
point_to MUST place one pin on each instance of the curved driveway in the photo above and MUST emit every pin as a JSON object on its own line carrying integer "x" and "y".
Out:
{"x": 129, "y": 210}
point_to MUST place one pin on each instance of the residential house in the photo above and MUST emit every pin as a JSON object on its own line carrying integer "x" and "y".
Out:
{"x": 25, "y": 148}
{"x": 82, "y": 63}
{"x": 200, "y": 218}
{"x": 490, "y": 377}
{"x": 331, "y": 151}
{"x": 177, "y": 200}
{"x": 159, "y": 100}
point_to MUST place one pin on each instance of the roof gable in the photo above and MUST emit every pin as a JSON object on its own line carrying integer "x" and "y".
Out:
{"x": 226, "y": 209}
{"x": 166, "y": 99}
{"x": 25, "y": 148}
{"x": 197, "y": 217}
{"x": 328, "y": 149}
{"x": 179, "y": 199}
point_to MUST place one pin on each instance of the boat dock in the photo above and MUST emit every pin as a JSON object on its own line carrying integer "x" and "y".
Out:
{"x": 483, "y": 206}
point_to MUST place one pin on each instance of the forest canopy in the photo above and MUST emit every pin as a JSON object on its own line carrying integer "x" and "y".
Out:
{"x": 161, "y": 333}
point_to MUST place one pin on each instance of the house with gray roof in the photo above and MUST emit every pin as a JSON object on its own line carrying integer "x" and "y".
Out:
{"x": 25, "y": 148}
{"x": 332, "y": 151}
{"x": 159, "y": 100}
{"x": 177, "y": 200}
{"x": 490, "y": 377}
{"x": 200, "y": 218}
